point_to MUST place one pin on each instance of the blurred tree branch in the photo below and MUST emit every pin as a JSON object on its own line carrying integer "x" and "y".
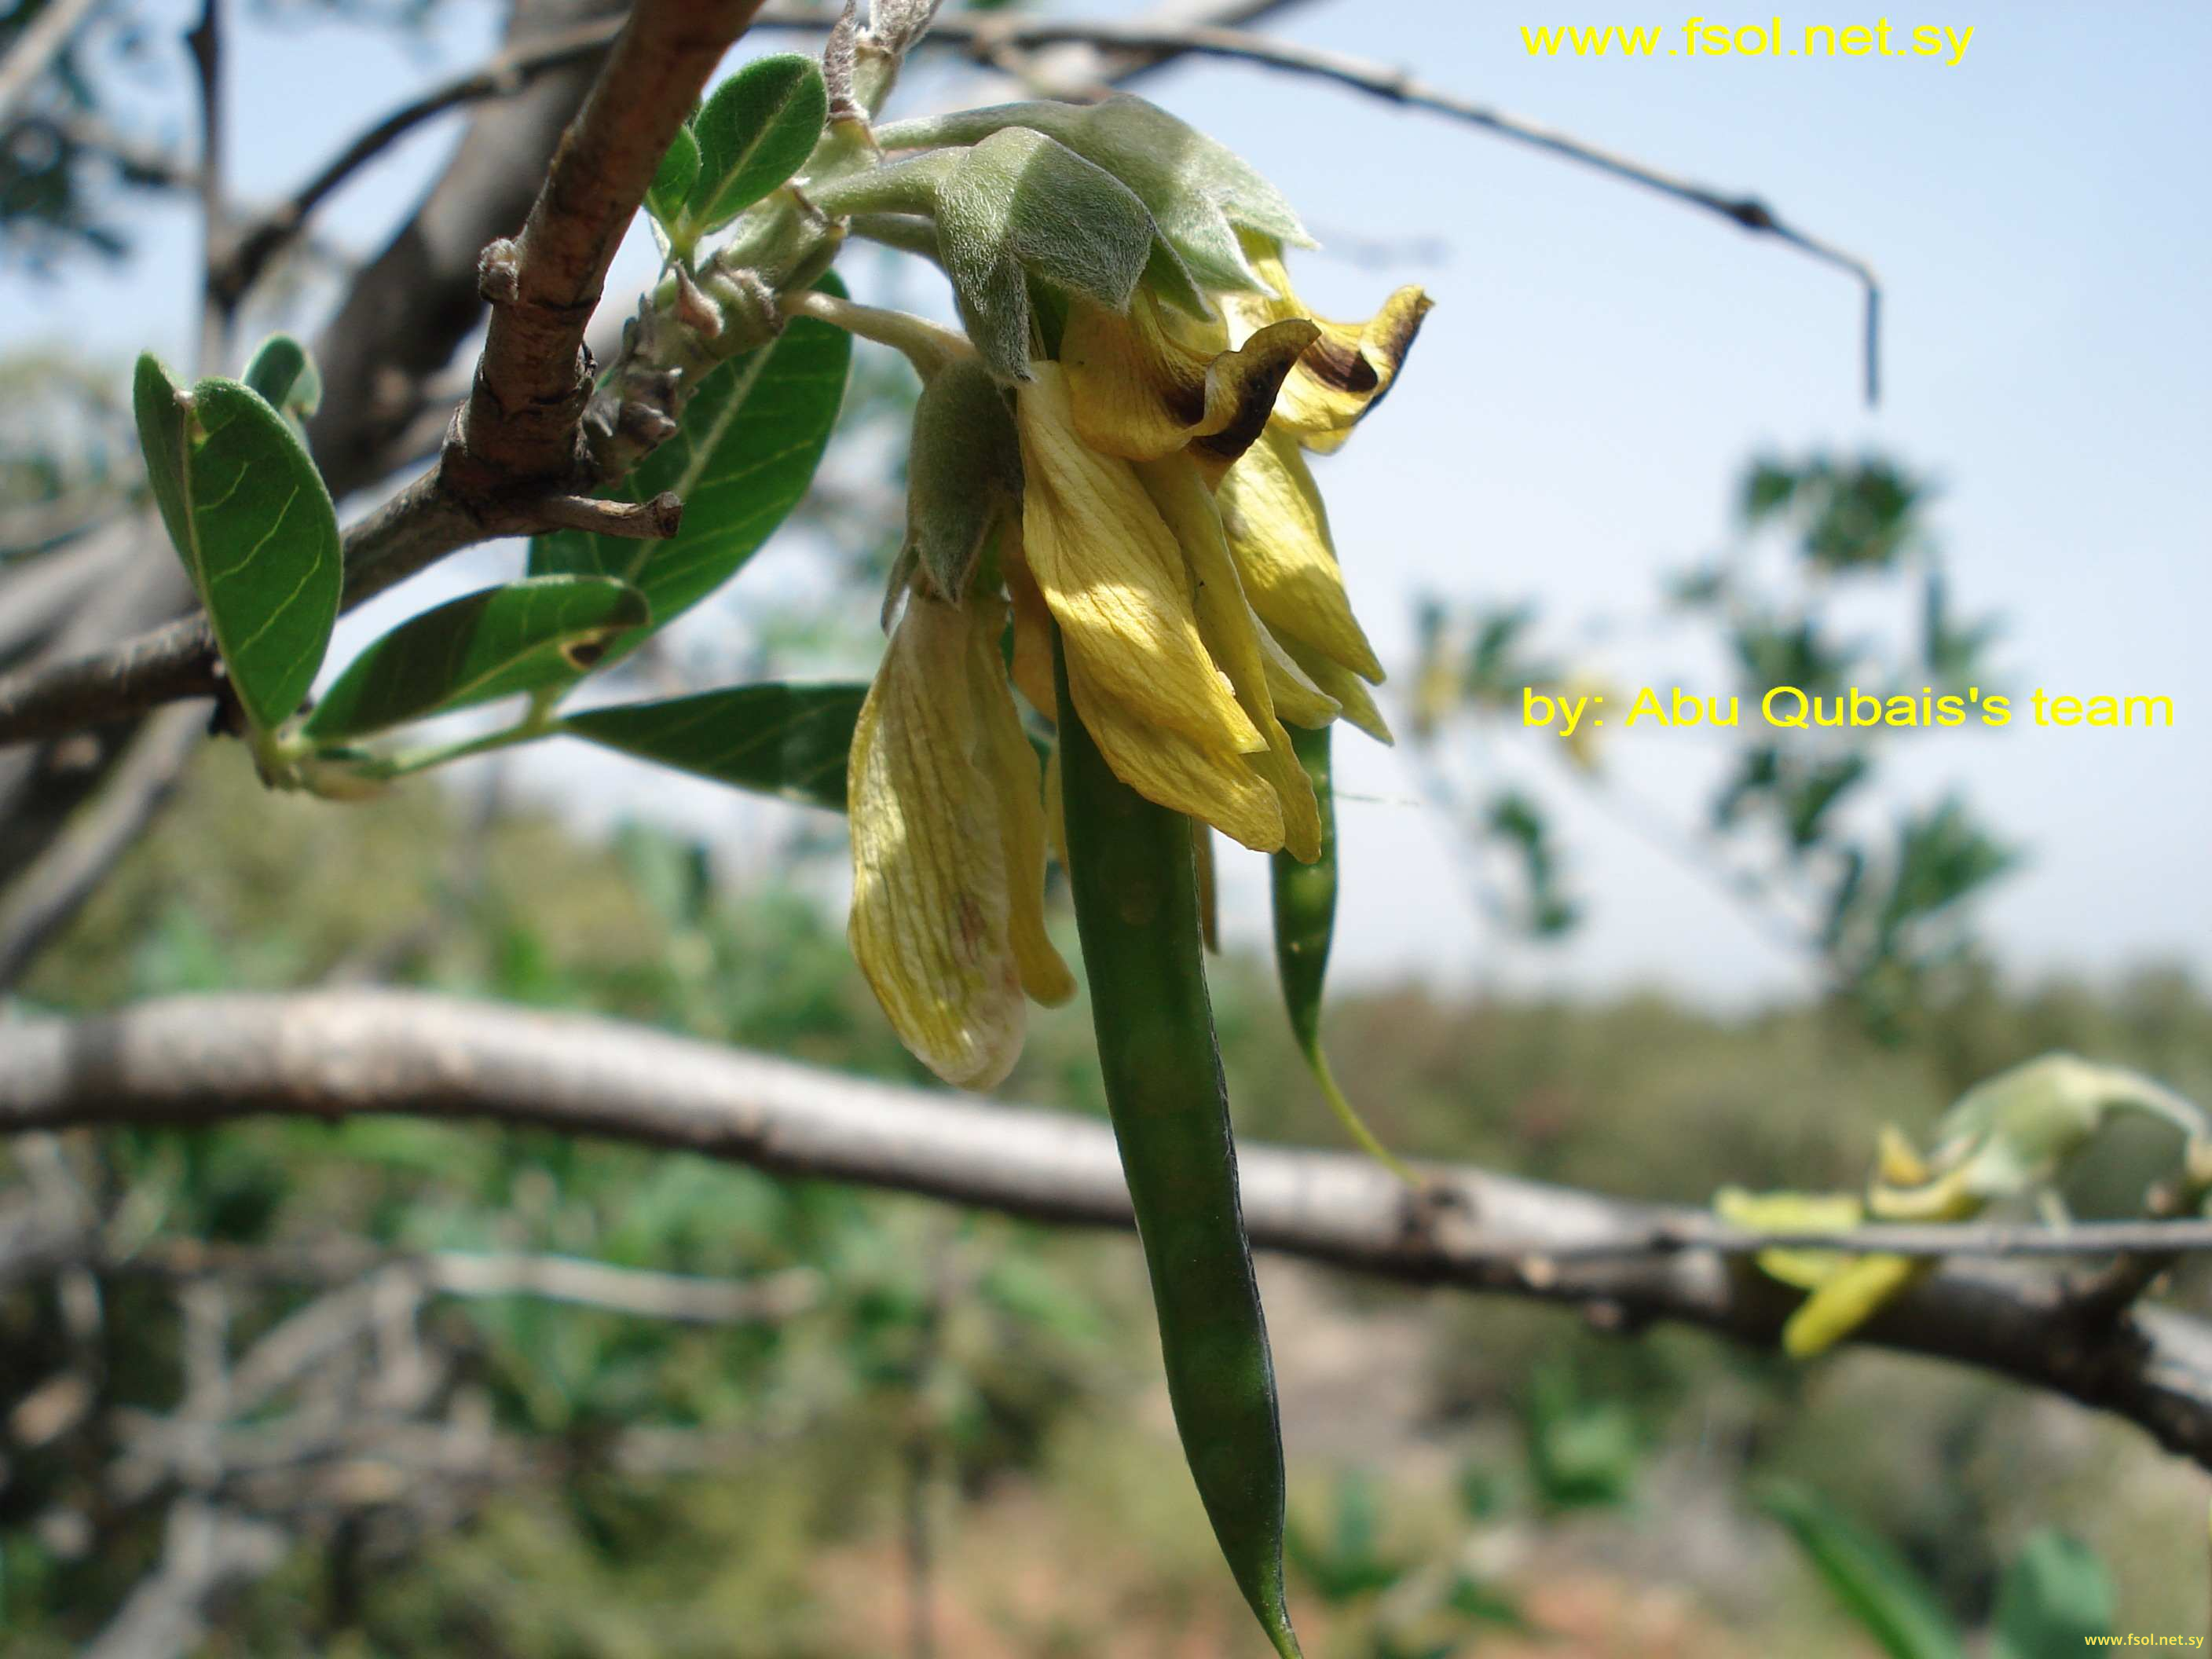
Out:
{"x": 37, "y": 47}
{"x": 202, "y": 1061}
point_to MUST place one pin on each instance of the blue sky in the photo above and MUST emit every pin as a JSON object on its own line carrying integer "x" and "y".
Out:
{"x": 1600, "y": 364}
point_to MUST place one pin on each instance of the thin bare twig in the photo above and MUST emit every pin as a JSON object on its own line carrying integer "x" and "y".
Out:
{"x": 985, "y": 38}
{"x": 37, "y": 47}
{"x": 204, "y": 1060}
{"x": 1128, "y": 48}
{"x": 257, "y": 244}
{"x": 217, "y": 308}
{"x": 33, "y": 909}
{"x": 682, "y": 1298}
{"x": 211, "y": 1550}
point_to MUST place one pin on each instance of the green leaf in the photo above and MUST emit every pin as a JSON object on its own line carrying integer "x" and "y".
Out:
{"x": 672, "y": 185}
{"x": 285, "y": 375}
{"x": 1583, "y": 1453}
{"x": 1016, "y": 205}
{"x": 755, "y": 131}
{"x": 249, "y": 515}
{"x": 2054, "y": 1600}
{"x": 481, "y": 646}
{"x": 753, "y": 435}
{"x": 1884, "y": 1594}
{"x": 790, "y": 741}
{"x": 1200, "y": 194}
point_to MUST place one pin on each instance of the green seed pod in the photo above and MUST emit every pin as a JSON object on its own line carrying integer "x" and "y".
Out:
{"x": 1305, "y": 926}
{"x": 1136, "y": 908}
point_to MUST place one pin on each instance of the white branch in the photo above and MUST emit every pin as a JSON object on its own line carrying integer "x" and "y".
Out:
{"x": 198, "y": 1061}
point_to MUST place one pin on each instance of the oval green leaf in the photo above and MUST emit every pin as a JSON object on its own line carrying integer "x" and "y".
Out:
{"x": 790, "y": 741}
{"x": 672, "y": 185}
{"x": 753, "y": 435}
{"x": 250, "y": 517}
{"x": 481, "y": 646}
{"x": 755, "y": 131}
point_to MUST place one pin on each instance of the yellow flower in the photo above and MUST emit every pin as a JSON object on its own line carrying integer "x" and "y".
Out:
{"x": 1152, "y": 382}
{"x": 1279, "y": 532}
{"x": 1232, "y": 575}
{"x": 948, "y": 846}
{"x": 1846, "y": 1291}
{"x": 1346, "y": 372}
{"x": 1171, "y": 531}
{"x": 1163, "y": 656}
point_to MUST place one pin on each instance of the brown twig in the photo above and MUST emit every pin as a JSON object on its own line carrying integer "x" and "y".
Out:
{"x": 521, "y": 424}
{"x": 197, "y": 1061}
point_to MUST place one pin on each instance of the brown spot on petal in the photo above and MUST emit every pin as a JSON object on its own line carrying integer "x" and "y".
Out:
{"x": 1399, "y": 341}
{"x": 1185, "y": 399}
{"x": 975, "y": 929}
{"x": 1340, "y": 367}
{"x": 1255, "y": 402}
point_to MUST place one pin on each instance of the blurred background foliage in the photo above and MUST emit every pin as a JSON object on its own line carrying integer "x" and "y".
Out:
{"x": 961, "y": 1413}
{"x": 1834, "y": 586}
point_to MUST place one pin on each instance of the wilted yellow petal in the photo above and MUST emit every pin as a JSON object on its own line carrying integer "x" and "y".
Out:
{"x": 1231, "y": 633}
{"x": 1345, "y": 373}
{"x": 1848, "y": 1300}
{"x": 1898, "y": 1163}
{"x": 1793, "y": 1212}
{"x": 1032, "y": 665}
{"x": 1340, "y": 682}
{"x": 929, "y": 925}
{"x": 1115, "y": 578}
{"x": 1279, "y": 530}
{"x": 1143, "y": 385}
{"x": 1947, "y": 1198}
{"x": 1164, "y": 766}
{"x": 1055, "y": 809}
{"x": 1298, "y": 700}
{"x": 1015, "y": 778}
